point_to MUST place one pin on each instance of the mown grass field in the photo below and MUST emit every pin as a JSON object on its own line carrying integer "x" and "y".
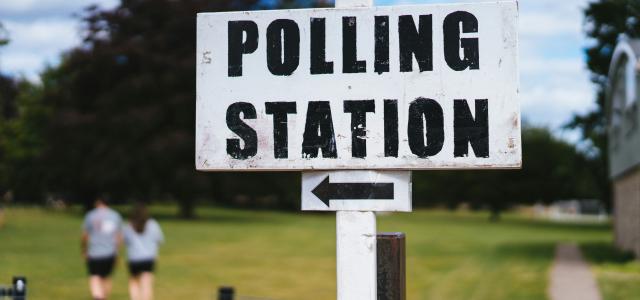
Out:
{"x": 273, "y": 255}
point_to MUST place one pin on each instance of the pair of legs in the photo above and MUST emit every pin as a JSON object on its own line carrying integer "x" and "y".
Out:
{"x": 100, "y": 270}
{"x": 100, "y": 287}
{"x": 141, "y": 286}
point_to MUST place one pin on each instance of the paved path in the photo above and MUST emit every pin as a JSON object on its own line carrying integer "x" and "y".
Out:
{"x": 571, "y": 278}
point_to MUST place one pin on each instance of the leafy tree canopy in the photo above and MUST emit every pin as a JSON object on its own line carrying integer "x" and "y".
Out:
{"x": 4, "y": 35}
{"x": 124, "y": 103}
{"x": 552, "y": 170}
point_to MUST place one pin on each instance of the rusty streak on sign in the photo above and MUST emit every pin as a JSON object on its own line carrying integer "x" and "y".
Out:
{"x": 405, "y": 87}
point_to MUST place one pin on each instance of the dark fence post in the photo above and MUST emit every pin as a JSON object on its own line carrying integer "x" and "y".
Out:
{"x": 391, "y": 266}
{"x": 19, "y": 288}
{"x": 225, "y": 293}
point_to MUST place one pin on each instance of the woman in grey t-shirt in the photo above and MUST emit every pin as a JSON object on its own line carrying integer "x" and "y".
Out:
{"x": 142, "y": 236}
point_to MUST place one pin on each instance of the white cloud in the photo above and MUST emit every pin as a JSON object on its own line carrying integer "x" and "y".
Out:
{"x": 26, "y": 64}
{"x": 553, "y": 103}
{"x": 40, "y": 30}
{"x": 41, "y": 34}
{"x": 552, "y": 66}
{"x": 554, "y": 89}
{"x": 36, "y": 43}
{"x": 545, "y": 24}
{"x": 14, "y": 9}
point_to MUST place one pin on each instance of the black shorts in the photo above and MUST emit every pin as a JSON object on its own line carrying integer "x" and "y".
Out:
{"x": 101, "y": 266}
{"x": 137, "y": 267}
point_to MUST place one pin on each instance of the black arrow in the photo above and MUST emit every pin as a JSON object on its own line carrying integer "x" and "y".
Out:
{"x": 327, "y": 191}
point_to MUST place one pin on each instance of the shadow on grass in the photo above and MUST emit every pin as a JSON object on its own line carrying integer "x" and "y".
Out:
{"x": 208, "y": 214}
{"x": 514, "y": 221}
{"x": 555, "y": 225}
{"x": 605, "y": 253}
{"x": 229, "y": 216}
{"x": 213, "y": 218}
{"x": 541, "y": 251}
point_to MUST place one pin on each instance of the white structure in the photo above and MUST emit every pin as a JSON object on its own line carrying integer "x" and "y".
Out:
{"x": 624, "y": 142}
{"x": 584, "y": 210}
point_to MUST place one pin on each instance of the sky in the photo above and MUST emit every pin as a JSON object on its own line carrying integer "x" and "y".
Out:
{"x": 40, "y": 30}
{"x": 554, "y": 81}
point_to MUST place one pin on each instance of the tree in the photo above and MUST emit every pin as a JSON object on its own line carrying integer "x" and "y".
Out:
{"x": 8, "y": 93}
{"x": 4, "y": 35}
{"x": 22, "y": 143}
{"x": 552, "y": 169}
{"x": 22, "y": 117}
{"x": 8, "y": 86}
{"x": 123, "y": 106}
{"x": 605, "y": 20}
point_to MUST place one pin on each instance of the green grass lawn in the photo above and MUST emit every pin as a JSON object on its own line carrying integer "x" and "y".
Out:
{"x": 274, "y": 255}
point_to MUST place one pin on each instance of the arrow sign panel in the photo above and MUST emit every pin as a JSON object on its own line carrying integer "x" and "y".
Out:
{"x": 328, "y": 191}
{"x": 356, "y": 190}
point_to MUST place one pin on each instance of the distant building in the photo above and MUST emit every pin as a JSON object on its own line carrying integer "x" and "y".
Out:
{"x": 623, "y": 116}
{"x": 580, "y": 210}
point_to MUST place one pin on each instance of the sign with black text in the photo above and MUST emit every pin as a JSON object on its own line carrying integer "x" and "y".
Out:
{"x": 400, "y": 88}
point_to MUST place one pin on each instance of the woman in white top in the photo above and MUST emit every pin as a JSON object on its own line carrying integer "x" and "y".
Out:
{"x": 142, "y": 236}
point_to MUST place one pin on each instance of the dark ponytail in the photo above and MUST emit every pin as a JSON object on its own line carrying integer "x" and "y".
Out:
{"x": 139, "y": 217}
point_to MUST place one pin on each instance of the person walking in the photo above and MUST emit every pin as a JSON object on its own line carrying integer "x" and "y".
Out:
{"x": 142, "y": 236}
{"x": 101, "y": 238}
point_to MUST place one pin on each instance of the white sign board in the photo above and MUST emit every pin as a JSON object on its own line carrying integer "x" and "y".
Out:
{"x": 356, "y": 190}
{"x": 400, "y": 88}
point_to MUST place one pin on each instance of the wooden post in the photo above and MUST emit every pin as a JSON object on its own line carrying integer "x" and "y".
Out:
{"x": 225, "y": 293}
{"x": 391, "y": 266}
